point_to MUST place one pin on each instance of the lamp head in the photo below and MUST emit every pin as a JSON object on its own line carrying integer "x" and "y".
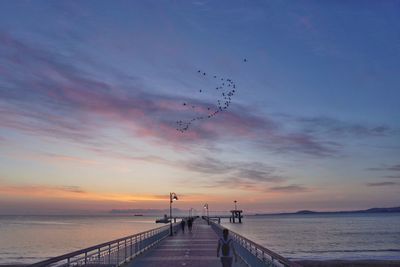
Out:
{"x": 172, "y": 197}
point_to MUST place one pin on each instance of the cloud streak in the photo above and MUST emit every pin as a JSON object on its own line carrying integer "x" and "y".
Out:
{"x": 333, "y": 127}
{"x": 65, "y": 158}
{"x": 374, "y": 184}
{"x": 234, "y": 172}
{"x": 38, "y": 190}
{"x": 294, "y": 188}
{"x": 393, "y": 176}
{"x": 395, "y": 168}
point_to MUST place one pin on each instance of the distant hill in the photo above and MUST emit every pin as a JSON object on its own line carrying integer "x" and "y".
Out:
{"x": 395, "y": 209}
{"x": 372, "y": 210}
{"x": 306, "y": 212}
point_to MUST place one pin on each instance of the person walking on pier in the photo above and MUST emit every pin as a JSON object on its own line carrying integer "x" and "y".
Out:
{"x": 183, "y": 225}
{"x": 190, "y": 224}
{"x": 225, "y": 245}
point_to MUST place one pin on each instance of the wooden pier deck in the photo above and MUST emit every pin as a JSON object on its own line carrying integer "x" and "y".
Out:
{"x": 195, "y": 249}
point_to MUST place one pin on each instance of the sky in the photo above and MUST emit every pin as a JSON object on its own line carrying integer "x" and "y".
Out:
{"x": 90, "y": 93}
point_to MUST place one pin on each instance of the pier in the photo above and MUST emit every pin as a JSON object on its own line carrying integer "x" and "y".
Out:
{"x": 157, "y": 247}
{"x": 197, "y": 248}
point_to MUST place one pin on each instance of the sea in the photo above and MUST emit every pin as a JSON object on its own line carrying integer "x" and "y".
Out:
{"x": 350, "y": 236}
{"x": 28, "y": 239}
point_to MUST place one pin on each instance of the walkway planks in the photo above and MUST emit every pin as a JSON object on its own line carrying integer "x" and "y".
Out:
{"x": 195, "y": 249}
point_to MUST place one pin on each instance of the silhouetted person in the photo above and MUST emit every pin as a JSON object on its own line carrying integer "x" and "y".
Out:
{"x": 190, "y": 224}
{"x": 225, "y": 245}
{"x": 183, "y": 225}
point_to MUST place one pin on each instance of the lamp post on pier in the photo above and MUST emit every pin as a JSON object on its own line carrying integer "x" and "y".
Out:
{"x": 172, "y": 198}
{"x": 190, "y": 212}
{"x": 208, "y": 216}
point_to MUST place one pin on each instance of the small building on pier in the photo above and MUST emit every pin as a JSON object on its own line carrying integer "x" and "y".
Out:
{"x": 236, "y": 214}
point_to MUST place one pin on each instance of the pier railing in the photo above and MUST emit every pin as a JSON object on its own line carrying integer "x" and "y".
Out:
{"x": 252, "y": 253}
{"x": 112, "y": 253}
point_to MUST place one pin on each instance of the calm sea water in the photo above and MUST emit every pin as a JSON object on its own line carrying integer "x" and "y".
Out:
{"x": 27, "y": 239}
{"x": 320, "y": 237}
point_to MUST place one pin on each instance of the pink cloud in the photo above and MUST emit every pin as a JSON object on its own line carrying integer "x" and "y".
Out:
{"x": 49, "y": 95}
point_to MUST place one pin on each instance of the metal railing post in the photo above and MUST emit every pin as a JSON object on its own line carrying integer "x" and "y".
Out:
{"x": 109, "y": 254}
{"x": 136, "y": 245}
{"x": 140, "y": 243}
{"x": 125, "y": 251}
{"x": 98, "y": 255}
{"x": 117, "y": 253}
{"x": 131, "y": 246}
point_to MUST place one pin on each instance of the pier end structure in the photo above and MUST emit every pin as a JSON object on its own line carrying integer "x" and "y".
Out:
{"x": 236, "y": 214}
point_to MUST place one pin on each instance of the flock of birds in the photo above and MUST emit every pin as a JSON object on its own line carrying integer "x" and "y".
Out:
{"x": 227, "y": 89}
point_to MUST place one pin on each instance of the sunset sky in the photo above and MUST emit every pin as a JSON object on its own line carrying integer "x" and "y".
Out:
{"x": 90, "y": 92}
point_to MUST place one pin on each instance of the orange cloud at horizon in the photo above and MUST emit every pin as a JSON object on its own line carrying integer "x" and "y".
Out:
{"x": 72, "y": 192}
{"x": 21, "y": 193}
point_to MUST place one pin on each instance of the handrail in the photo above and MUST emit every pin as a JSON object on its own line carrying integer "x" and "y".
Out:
{"x": 253, "y": 253}
{"x": 112, "y": 253}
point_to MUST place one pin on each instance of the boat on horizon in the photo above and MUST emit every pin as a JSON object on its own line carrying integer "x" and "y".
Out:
{"x": 163, "y": 220}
